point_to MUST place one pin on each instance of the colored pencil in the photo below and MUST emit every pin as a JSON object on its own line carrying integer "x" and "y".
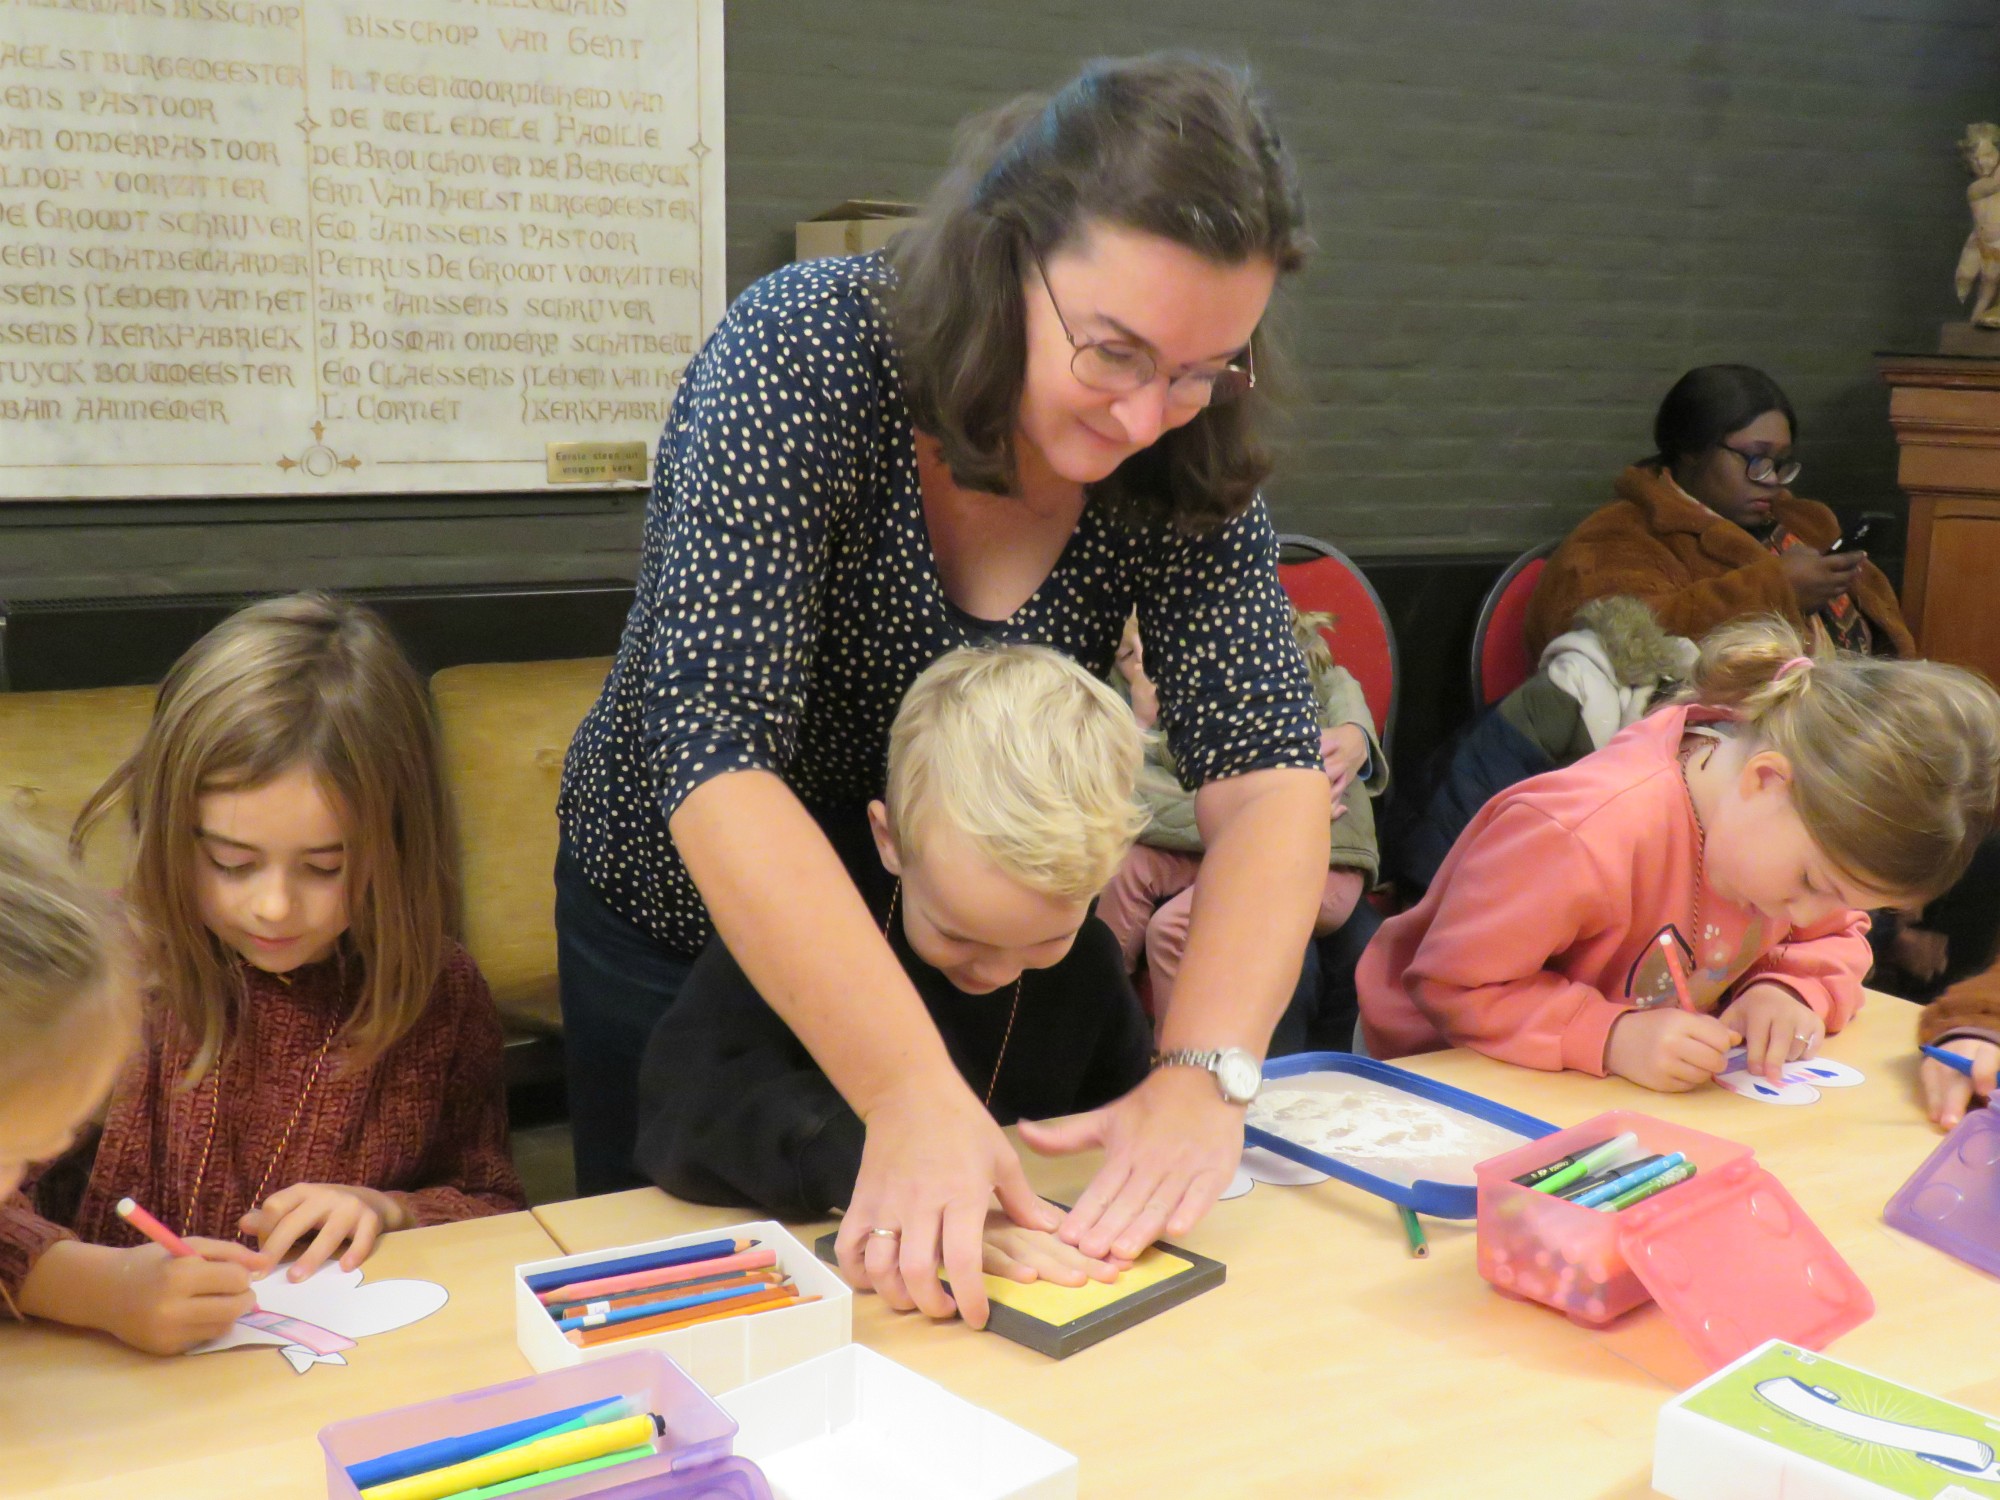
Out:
{"x": 648, "y": 1309}
{"x": 595, "y": 1336}
{"x": 651, "y": 1294}
{"x": 537, "y": 1457}
{"x": 1646, "y": 1189}
{"x": 639, "y": 1281}
{"x": 652, "y": 1260}
{"x": 748, "y": 1297}
{"x": 452, "y": 1450}
{"x": 153, "y": 1229}
{"x": 1956, "y": 1061}
{"x": 1682, "y": 993}
{"x": 1420, "y": 1248}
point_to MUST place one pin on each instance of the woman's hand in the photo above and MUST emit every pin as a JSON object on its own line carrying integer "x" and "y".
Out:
{"x": 1170, "y": 1147}
{"x": 1667, "y": 1049}
{"x": 1037, "y": 1255}
{"x": 1947, "y": 1091}
{"x": 351, "y": 1216}
{"x": 932, "y": 1164}
{"x": 1776, "y": 1026}
{"x": 1818, "y": 578}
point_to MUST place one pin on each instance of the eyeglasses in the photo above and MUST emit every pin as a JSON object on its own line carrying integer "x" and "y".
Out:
{"x": 1124, "y": 368}
{"x": 1760, "y": 468}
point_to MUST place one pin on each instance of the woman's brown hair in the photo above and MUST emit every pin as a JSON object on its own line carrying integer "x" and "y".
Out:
{"x": 1895, "y": 764}
{"x": 1171, "y": 145}
{"x": 306, "y": 681}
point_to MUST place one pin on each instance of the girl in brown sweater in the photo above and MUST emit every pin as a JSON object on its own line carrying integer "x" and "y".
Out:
{"x": 321, "y": 1063}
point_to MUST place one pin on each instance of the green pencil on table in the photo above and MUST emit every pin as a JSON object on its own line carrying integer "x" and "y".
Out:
{"x": 1419, "y": 1247}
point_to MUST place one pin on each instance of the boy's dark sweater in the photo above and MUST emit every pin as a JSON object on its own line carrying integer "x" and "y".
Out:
{"x": 733, "y": 1109}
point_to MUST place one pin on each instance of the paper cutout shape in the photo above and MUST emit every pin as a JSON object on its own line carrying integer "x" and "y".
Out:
{"x": 1240, "y": 1184}
{"x": 1267, "y": 1166}
{"x": 315, "y": 1321}
{"x": 1798, "y": 1083}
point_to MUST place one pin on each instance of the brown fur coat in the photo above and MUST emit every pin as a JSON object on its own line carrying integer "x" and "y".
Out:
{"x": 1973, "y": 1003}
{"x": 1694, "y": 569}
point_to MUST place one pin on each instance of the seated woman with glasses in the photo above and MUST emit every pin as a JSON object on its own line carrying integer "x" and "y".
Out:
{"x": 1706, "y": 530}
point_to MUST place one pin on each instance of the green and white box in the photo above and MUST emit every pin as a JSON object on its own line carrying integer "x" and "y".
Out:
{"x": 1785, "y": 1421}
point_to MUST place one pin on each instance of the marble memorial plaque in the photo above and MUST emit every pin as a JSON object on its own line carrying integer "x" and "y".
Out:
{"x": 305, "y": 247}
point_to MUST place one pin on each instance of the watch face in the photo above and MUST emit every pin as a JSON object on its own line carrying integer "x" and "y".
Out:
{"x": 1239, "y": 1075}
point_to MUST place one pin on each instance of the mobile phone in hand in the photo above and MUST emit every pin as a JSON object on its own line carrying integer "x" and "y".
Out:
{"x": 1855, "y": 536}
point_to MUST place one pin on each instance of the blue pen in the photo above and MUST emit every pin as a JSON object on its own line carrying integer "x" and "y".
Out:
{"x": 1630, "y": 1180}
{"x": 650, "y": 1309}
{"x": 444, "y": 1452}
{"x": 1956, "y": 1061}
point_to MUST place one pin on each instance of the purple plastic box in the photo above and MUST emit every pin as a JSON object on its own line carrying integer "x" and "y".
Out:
{"x": 1953, "y": 1200}
{"x": 693, "y": 1464}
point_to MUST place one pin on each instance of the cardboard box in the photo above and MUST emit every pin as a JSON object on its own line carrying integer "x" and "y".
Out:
{"x": 853, "y": 1425}
{"x": 852, "y": 228}
{"x": 719, "y": 1355}
{"x": 1785, "y": 1421}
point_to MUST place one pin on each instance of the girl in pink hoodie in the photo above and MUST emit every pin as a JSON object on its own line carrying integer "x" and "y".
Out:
{"x": 1729, "y": 845}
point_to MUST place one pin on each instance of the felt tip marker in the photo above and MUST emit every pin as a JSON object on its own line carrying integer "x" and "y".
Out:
{"x": 1682, "y": 996}
{"x": 1646, "y": 1190}
{"x": 153, "y": 1229}
{"x": 1958, "y": 1062}
{"x": 1591, "y": 1161}
{"x": 1549, "y": 1169}
{"x": 1629, "y": 1181}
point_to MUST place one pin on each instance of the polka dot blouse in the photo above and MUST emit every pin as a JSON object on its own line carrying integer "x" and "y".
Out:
{"x": 787, "y": 597}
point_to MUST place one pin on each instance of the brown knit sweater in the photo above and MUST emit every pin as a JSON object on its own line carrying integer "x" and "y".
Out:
{"x": 1693, "y": 568}
{"x": 426, "y": 1122}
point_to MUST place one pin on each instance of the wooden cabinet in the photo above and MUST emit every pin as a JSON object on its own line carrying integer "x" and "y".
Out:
{"x": 1946, "y": 412}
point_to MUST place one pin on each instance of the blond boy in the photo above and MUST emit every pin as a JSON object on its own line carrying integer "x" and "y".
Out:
{"x": 1010, "y": 800}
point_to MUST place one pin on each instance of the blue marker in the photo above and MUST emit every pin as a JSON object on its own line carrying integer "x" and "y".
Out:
{"x": 1630, "y": 1180}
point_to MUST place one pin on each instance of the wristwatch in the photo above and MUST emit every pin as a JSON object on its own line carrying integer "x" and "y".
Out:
{"x": 1236, "y": 1071}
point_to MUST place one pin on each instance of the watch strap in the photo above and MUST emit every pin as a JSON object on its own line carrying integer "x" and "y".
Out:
{"x": 1188, "y": 1057}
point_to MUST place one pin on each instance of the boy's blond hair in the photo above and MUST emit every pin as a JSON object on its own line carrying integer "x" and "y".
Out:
{"x": 306, "y": 681}
{"x": 60, "y": 996}
{"x": 1029, "y": 756}
{"x": 1895, "y": 764}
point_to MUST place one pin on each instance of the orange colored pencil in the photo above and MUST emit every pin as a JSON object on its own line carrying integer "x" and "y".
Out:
{"x": 754, "y": 1301}
{"x": 656, "y": 1294}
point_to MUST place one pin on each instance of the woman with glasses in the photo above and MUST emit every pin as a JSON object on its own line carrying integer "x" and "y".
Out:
{"x": 1707, "y": 530}
{"x": 1037, "y": 411}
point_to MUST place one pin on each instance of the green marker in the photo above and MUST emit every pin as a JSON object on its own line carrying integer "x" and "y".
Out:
{"x": 1589, "y": 1162}
{"x": 556, "y": 1476}
{"x": 1646, "y": 1189}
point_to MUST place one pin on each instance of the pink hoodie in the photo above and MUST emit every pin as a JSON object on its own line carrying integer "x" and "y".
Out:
{"x": 1543, "y": 924}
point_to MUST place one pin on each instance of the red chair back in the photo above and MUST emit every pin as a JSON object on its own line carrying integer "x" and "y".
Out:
{"x": 1500, "y": 659}
{"x": 1323, "y": 579}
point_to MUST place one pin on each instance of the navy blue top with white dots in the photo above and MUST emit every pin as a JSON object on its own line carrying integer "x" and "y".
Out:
{"x": 788, "y": 596}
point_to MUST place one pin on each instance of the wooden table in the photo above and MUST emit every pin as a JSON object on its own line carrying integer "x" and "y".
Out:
{"x": 1333, "y": 1363}
{"x": 84, "y": 1418}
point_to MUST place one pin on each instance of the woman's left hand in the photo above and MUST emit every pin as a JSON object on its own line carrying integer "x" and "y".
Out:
{"x": 353, "y": 1216}
{"x": 1170, "y": 1148}
{"x": 1776, "y": 1026}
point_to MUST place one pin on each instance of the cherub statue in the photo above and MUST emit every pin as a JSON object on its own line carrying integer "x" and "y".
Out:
{"x": 1979, "y": 262}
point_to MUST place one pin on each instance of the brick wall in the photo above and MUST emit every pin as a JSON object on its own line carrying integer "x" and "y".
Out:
{"x": 1533, "y": 214}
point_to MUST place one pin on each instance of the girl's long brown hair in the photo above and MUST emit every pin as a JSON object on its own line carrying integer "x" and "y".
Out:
{"x": 306, "y": 681}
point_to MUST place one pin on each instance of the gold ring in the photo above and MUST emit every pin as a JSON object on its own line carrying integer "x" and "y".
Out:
{"x": 885, "y": 1234}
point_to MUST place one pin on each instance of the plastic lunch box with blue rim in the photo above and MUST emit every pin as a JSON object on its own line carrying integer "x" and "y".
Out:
{"x": 1440, "y": 1200}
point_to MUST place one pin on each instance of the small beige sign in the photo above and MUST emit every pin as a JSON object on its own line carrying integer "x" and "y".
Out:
{"x": 596, "y": 463}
